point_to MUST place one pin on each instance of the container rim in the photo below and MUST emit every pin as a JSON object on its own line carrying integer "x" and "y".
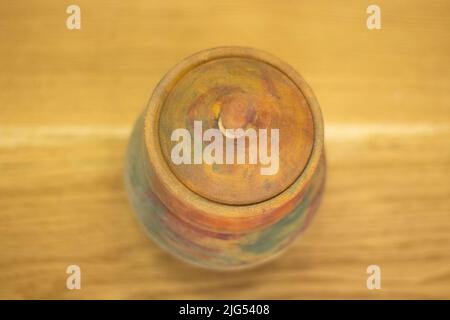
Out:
{"x": 170, "y": 188}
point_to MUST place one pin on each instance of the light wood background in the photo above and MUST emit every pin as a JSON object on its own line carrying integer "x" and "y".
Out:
{"x": 68, "y": 100}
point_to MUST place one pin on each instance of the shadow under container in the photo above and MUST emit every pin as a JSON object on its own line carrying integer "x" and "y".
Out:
{"x": 227, "y": 216}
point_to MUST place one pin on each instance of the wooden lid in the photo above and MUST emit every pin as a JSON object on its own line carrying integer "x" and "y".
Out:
{"x": 230, "y": 88}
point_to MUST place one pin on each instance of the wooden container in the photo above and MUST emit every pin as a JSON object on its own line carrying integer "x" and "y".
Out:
{"x": 233, "y": 214}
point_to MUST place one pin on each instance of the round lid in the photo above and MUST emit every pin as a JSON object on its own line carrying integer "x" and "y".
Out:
{"x": 263, "y": 129}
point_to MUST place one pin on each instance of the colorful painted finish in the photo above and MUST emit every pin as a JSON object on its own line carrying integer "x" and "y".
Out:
{"x": 249, "y": 218}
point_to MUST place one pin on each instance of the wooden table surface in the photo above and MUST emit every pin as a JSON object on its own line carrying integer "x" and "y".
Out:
{"x": 68, "y": 100}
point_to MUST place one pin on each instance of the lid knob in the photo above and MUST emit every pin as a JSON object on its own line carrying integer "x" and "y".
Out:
{"x": 238, "y": 112}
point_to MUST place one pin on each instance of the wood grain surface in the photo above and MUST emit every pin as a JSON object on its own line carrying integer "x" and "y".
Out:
{"x": 68, "y": 101}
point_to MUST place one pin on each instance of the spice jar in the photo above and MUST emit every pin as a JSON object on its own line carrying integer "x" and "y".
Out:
{"x": 226, "y": 166}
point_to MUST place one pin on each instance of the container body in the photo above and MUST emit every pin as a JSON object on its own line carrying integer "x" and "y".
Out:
{"x": 213, "y": 250}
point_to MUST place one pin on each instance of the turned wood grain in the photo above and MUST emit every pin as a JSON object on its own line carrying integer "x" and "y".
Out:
{"x": 68, "y": 101}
